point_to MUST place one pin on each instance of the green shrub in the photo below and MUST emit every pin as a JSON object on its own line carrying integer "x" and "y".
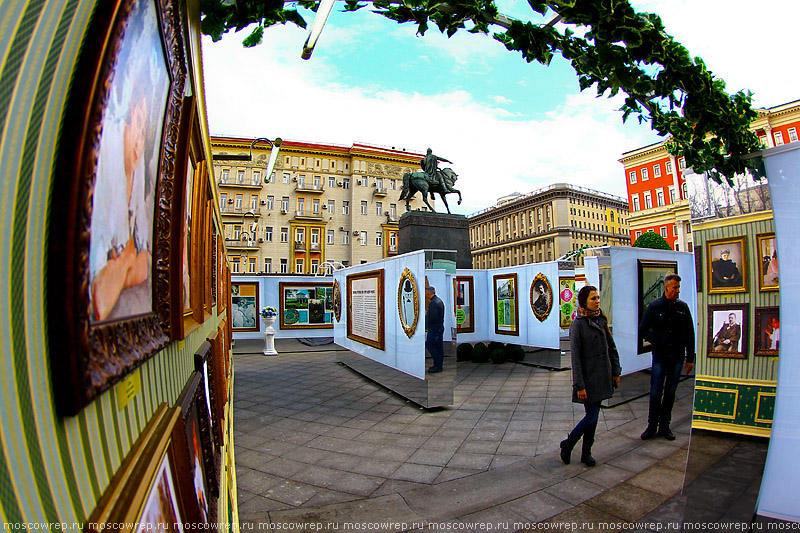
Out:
{"x": 515, "y": 352}
{"x": 498, "y": 356}
{"x": 480, "y": 353}
{"x": 651, "y": 239}
{"x": 494, "y": 345}
{"x": 464, "y": 352}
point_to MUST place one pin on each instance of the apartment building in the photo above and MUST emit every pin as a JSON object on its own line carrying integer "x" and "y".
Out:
{"x": 545, "y": 224}
{"x": 322, "y": 202}
{"x": 658, "y": 196}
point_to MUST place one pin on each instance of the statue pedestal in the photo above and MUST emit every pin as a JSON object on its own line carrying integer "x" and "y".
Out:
{"x": 423, "y": 230}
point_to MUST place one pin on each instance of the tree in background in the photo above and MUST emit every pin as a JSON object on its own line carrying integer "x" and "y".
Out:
{"x": 651, "y": 239}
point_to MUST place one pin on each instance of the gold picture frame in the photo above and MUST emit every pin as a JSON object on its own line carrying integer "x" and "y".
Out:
{"x": 768, "y": 279}
{"x": 365, "y": 301}
{"x": 408, "y": 302}
{"x": 541, "y": 297}
{"x": 727, "y": 275}
{"x": 506, "y": 304}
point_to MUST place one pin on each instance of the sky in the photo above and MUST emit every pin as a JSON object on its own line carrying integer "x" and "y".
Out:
{"x": 507, "y": 126}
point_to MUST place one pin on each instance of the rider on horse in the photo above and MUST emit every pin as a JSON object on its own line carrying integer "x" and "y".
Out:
{"x": 430, "y": 164}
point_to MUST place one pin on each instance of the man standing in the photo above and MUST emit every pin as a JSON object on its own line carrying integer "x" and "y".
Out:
{"x": 434, "y": 324}
{"x": 430, "y": 164}
{"x": 667, "y": 324}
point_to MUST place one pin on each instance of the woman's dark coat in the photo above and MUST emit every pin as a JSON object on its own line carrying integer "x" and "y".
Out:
{"x": 594, "y": 359}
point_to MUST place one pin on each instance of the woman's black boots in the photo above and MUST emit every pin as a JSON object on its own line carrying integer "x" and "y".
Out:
{"x": 566, "y": 448}
{"x": 588, "y": 441}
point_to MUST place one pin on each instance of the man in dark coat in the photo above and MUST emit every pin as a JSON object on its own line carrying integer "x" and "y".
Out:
{"x": 668, "y": 325}
{"x": 434, "y": 324}
{"x": 430, "y": 165}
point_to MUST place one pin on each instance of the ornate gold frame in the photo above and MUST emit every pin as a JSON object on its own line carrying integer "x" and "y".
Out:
{"x": 541, "y": 317}
{"x": 337, "y": 301}
{"x": 408, "y": 276}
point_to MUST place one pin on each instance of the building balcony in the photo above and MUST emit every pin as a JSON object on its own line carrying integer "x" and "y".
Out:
{"x": 299, "y": 246}
{"x": 308, "y": 215}
{"x": 392, "y": 250}
{"x": 240, "y": 244}
{"x": 247, "y": 184}
{"x": 229, "y": 209}
{"x": 315, "y": 247}
{"x": 380, "y": 191}
{"x": 305, "y": 187}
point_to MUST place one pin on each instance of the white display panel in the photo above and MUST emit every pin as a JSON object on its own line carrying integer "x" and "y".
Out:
{"x": 780, "y": 485}
{"x": 481, "y": 306}
{"x": 541, "y": 334}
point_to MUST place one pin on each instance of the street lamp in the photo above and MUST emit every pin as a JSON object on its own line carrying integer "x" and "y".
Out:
{"x": 325, "y": 7}
{"x": 275, "y": 147}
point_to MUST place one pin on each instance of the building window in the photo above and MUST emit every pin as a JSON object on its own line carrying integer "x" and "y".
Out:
{"x": 315, "y": 206}
{"x": 223, "y": 201}
{"x": 285, "y": 203}
{"x": 237, "y": 232}
{"x": 268, "y": 234}
{"x": 226, "y": 175}
{"x": 314, "y": 265}
{"x": 379, "y": 183}
{"x": 317, "y": 182}
{"x": 300, "y": 235}
{"x": 392, "y": 241}
{"x": 677, "y": 247}
{"x": 635, "y": 202}
{"x": 668, "y": 167}
{"x": 393, "y": 184}
{"x": 378, "y": 238}
{"x": 346, "y": 183}
{"x": 672, "y": 195}
{"x": 251, "y": 265}
{"x": 315, "y": 238}
{"x": 685, "y": 191}
{"x": 256, "y": 177}
{"x": 674, "y": 230}
{"x": 660, "y": 197}
{"x": 792, "y": 135}
{"x": 270, "y": 202}
{"x": 363, "y": 207}
{"x": 664, "y": 231}
{"x": 645, "y": 175}
{"x": 301, "y": 206}
{"x": 298, "y": 266}
{"x": 345, "y": 238}
{"x": 284, "y": 266}
{"x": 235, "y": 265}
{"x": 762, "y": 140}
{"x": 240, "y": 176}
{"x": 648, "y": 201}
{"x": 379, "y": 208}
{"x": 363, "y": 237}
{"x": 284, "y": 234}
{"x": 393, "y": 210}
{"x": 301, "y": 181}
{"x": 682, "y": 163}
{"x": 611, "y": 216}
{"x": 332, "y": 207}
{"x": 331, "y": 182}
{"x": 656, "y": 170}
{"x": 330, "y": 237}
{"x": 238, "y": 202}
{"x": 254, "y": 202}
{"x": 778, "y": 138}
{"x": 638, "y": 234}
{"x": 345, "y": 207}
{"x": 286, "y": 177}
{"x": 633, "y": 176}
{"x": 267, "y": 265}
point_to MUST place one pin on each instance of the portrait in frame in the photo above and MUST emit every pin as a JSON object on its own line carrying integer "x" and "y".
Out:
{"x": 337, "y": 301}
{"x": 506, "y": 304}
{"x": 726, "y": 260}
{"x": 651, "y": 287}
{"x": 305, "y": 305}
{"x": 365, "y": 311}
{"x": 244, "y": 306}
{"x": 464, "y": 295}
{"x": 111, "y": 295}
{"x": 768, "y": 331}
{"x": 728, "y": 331}
{"x": 768, "y": 262}
{"x": 408, "y": 302}
{"x": 541, "y": 297}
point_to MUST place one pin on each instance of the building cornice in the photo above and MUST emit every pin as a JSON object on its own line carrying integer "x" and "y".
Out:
{"x": 732, "y": 221}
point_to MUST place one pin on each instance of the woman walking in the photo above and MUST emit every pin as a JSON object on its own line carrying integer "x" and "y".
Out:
{"x": 595, "y": 370}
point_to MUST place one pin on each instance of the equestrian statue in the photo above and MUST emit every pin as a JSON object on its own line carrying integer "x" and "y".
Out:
{"x": 431, "y": 180}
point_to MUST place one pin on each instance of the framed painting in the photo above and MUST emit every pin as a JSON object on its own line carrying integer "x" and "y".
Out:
{"x": 149, "y": 488}
{"x": 506, "y": 304}
{"x": 726, "y": 261}
{"x": 209, "y": 251}
{"x": 464, "y": 294}
{"x": 567, "y": 303}
{"x": 195, "y": 434}
{"x": 541, "y": 297}
{"x": 365, "y": 312}
{"x": 768, "y": 262}
{"x": 112, "y": 240}
{"x": 306, "y": 305}
{"x": 337, "y": 301}
{"x": 698, "y": 267}
{"x": 203, "y": 364}
{"x": 244, "y": 306}
{"x": 408, "y": 302}
{"x": 768, "y": 331}
{"x": 727, "y": 331}
{"x": 650, "y": 288}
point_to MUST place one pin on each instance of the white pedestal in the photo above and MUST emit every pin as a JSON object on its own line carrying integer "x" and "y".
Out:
{"x": 269, "y": 336}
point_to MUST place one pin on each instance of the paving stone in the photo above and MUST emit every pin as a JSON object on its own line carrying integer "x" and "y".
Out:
{"x": 664, "y": 481}
{"x": 358, "y": 516}
{"x": 633, "y": 461}
{"x": 356, "y": 484}
{"x": 575, "y": 490}
{"x": 606, "y": 475}
{"x": 417, "y": 473}
{"x": 627, "y": 502}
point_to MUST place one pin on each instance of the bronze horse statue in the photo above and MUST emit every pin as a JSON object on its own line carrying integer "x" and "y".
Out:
{"x": 418, "y": 181}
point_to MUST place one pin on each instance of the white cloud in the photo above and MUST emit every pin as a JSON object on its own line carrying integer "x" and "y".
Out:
{"x": 499, "y": 99}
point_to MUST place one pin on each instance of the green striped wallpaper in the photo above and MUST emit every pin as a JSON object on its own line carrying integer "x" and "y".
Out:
{"x": 51, "y": 468}
{"x": 755, "y": 373}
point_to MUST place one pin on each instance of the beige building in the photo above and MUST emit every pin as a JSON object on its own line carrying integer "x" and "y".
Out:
{"x": 545, "y": 224}
{"x": 323, "y": 202}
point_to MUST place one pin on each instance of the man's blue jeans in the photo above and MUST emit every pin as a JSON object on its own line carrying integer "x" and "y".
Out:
{"x": 435, "y": 345}
{"x": 663, "y": 383}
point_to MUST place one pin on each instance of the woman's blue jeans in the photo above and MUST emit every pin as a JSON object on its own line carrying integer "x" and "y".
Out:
{"x": 588, "y": 424}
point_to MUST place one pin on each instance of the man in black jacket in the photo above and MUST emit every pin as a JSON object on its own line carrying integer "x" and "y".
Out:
{"x": 434, "y": 324}
{"x": 668, "y": 325}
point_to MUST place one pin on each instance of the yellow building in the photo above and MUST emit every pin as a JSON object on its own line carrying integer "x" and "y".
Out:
{"x": 545, "y": 224}
{"x": 323, "y": 202}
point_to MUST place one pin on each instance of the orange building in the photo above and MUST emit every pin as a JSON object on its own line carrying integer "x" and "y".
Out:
{"x": 657, "y": 192}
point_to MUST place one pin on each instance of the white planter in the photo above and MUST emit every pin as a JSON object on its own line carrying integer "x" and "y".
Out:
{"x": 269, "y": 336}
